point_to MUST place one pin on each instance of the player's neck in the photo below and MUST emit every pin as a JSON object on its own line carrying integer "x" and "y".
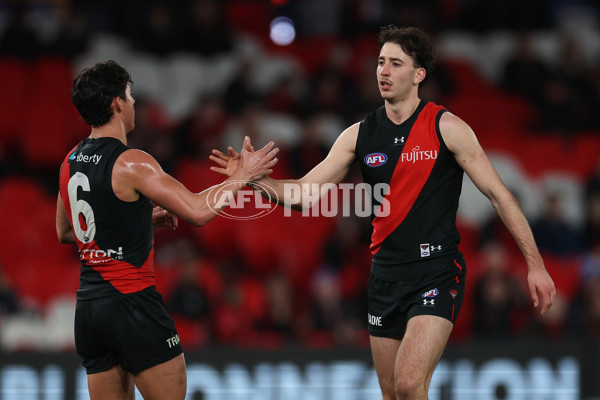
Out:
{"x": 400, "y": 111}
{"x": 115, "y": 129}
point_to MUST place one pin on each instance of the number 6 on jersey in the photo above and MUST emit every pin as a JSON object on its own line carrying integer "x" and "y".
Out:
{"x": 79, "y": 206}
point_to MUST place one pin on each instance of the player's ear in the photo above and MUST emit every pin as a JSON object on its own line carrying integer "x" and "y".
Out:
{"x": 420, "y": 75}
{"x": 117, "y": 104}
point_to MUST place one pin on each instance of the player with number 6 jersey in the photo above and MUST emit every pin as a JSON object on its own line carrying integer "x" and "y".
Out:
{"x": 114, "y": 237}
{"x": 111, "y": 199}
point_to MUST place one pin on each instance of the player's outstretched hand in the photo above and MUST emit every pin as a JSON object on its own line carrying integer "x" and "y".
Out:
{"x": 251, "y": 165}
{"x": 223, "y": 160}
{"x": 163, "y": 218}
{"x": 254, "y": 165}
{"x": 541, "y": 288}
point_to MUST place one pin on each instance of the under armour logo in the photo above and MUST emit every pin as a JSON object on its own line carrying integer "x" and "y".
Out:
{"x": 439, "y": 247}
{"x": 430, "y": 303}
{"x": 399, "y": 140}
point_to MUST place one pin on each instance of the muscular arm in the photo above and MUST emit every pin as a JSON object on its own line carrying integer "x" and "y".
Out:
{"x": 63, "y": 226}
{"x": 305, "y": 192}
{"x": 469, "y": 154}
{"x": 137, "y": 172}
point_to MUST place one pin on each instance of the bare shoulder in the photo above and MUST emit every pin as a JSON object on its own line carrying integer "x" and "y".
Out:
{"x": 134, "y": 171}
{"x": 348, "y": 137}
{"x": 135, "y": 161}
{"x": 455, "y": 132}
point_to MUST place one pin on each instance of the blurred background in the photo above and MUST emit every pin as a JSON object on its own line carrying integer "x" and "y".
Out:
{"x": 525, "y": 75}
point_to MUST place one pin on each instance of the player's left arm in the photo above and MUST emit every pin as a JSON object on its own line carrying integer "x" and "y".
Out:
{"x": 64, "y": 230}
{"x": 462, "y": 142}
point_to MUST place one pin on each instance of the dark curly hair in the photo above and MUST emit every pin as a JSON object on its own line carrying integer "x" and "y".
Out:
{"x": 414, "y": 42}
{"x": 94, "y": 89}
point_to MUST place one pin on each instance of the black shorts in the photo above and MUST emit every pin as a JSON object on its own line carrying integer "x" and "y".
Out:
{"x": 131, "y": 330}
{"x": 392, "y": 303}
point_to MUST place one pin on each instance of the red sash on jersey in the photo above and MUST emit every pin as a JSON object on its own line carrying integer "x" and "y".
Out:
{"x": 410, "y": 175}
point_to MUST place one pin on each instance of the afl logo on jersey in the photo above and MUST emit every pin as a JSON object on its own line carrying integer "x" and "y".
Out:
{"x": 375, "y": 159}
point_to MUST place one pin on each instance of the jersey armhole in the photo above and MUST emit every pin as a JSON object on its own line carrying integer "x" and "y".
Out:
{"x": 438, "y": 132}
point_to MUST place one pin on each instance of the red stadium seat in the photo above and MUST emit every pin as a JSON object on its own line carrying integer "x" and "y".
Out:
{"x": 31, "y": 254}
{"x": 47, "y": 136}
{"x": 53, "y": 79}
{"x": 14, "y": 81}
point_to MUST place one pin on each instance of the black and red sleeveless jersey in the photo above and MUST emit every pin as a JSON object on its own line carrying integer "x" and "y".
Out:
{"x": 424, "y": 181}
{"x": 115, "y": 237}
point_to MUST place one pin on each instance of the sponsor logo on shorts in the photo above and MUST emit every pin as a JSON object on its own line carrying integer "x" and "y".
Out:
{"x": 428, "y": 303}
{"x": 375, "y": 159}
{"x": 430, "y": 293}
{"x": 375, "y": 321}
{"x": 453, "y": 293}
{"x": 173, "y": 341}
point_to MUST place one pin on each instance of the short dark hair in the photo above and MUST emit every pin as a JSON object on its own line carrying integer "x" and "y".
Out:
{"x": 414, "y": 42}
{"x": 94, "y": 89}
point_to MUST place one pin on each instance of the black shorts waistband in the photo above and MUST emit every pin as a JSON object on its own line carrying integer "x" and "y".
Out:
{"x": 398, "y": 272}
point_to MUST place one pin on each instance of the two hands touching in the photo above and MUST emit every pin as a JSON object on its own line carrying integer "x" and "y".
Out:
{"x": 247, "y": 165}
{"x": 244, "y": 167}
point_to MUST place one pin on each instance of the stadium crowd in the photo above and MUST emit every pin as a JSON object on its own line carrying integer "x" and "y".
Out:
{"x": 206, "y": 73}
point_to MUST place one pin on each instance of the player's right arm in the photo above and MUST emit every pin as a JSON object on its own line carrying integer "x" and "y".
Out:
{"x": 64, "y": 230}
{"x": 301, "y": 193}
{"x": 137, "y": 172}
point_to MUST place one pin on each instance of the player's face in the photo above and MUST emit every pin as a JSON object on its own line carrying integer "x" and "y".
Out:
{"x": 129, "y": 109}
{"x": 396, "y": 73}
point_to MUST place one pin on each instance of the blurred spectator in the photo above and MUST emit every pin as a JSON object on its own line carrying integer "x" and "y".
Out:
{"x": 592, "y": 209}
{"x": 363, "y": 16}
{"x": 368, "y": 92}
{"x": 332, "y": 89}
{"x": 241, "y": 306}
{"x": 498, "y": 295}
{"x": 281, "y": 314}
{"x": 239, "y": 92}
{"x": 556, "y": 324}
{"x": 19, "y": 38}
{"x": 525, "y": 73}
{"x": 157, "y": 34}
{"x": 348, "y": 253}
{"x": 569, "y": 100}
{"x": 73, "y": 34}
{"x": 9, "y": 302}
{"x": 590, "y": 293}
{"x": 207, "y": 31}
{"x": 202, "y": 130}
{"x": 286, "y": 95}
{"x": 552, "y": 233}
{"x": 189, "y": 298}
{"x": 310, "y": 150}
{"x": 494, "y": 230}
{"x": 330, "y": 312}
{"x": 511, "y": 14}
{"x": 440, "y": 85}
